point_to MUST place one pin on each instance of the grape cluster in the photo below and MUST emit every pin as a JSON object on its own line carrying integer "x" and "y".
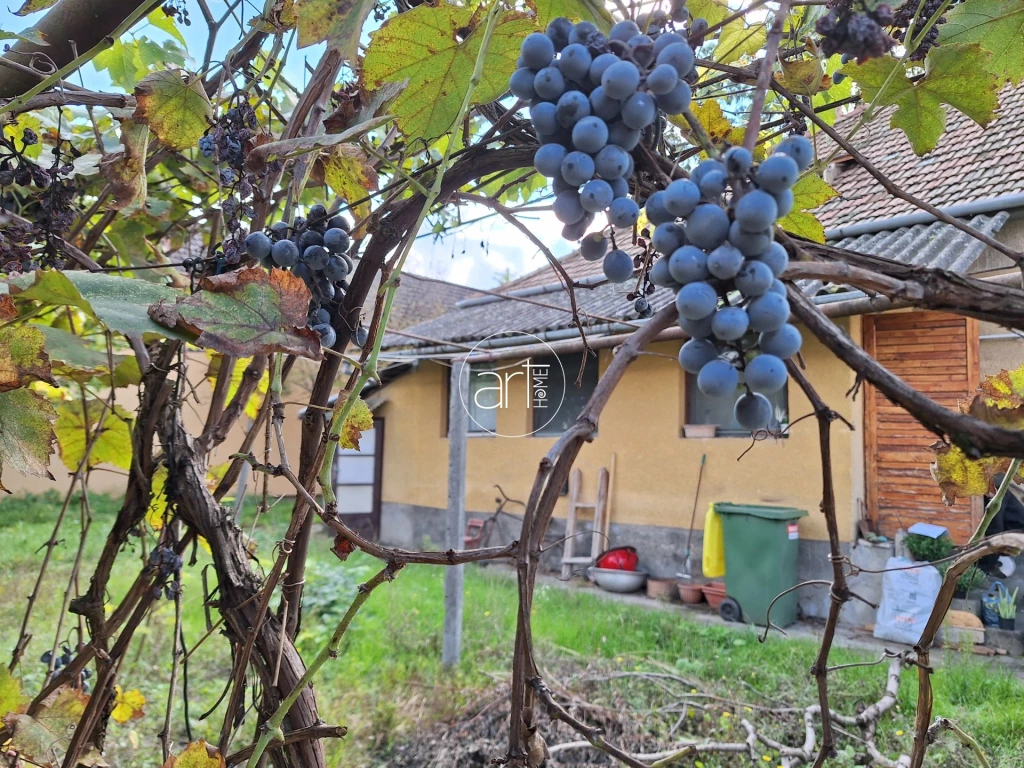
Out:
{"x": 846, "y": 28}
{"x": 593, "y": 99}
{"x": 315, "y": 249}
{"x": 902, "y": 17}
{"x": 723, "y": 265}
{"x": 168, "y": 564}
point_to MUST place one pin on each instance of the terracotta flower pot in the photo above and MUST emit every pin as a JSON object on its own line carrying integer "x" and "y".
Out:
{"x": 714, "y": 593}
{"x": 691, "y": 593}
{"x": 661, "y": 589}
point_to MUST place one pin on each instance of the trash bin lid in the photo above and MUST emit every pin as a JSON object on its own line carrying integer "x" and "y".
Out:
{"x": 759, "y": 510}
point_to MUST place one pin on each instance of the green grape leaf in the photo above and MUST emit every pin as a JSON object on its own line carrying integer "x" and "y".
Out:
{"x": 22, "y": 357}
{"x": 435, "y": 50}
{"x": 112, "y": 432}
{"x": 126, "y": 170}
{"x": 163, "y": 22}
{"x": 120, "y": 303}
{"x": 12, "y": 698}
{"x": 175, "y": 106}
{"x": 809, "y": 192}
{"x": 45, "y": 738}
{"x": 245, "y": 313}
{"x": 122, "y": 63}
{"x": 957, "y": 75}
{"x": 77, "y": 358}
{"x": 359, "y": 419}
{"x": 127, "y": 372}
{"x": 197, "y": 754}
{"x": 26, "y": 434}
{"x": 835, "y": 92}
{"x": 348, "y": 172}
{"x": 30, "y": 35}
{"x": 713, "y": 11}
{"x": 738, "y": 40}
{"x": 32, "y": 6}
{"x": 574, "y": 10}
{"x": 996, "y": 25}
{"x": 336, "y": 22}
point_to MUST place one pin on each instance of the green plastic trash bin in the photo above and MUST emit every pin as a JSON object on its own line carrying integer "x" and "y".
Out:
{"x": 762, "y": 546}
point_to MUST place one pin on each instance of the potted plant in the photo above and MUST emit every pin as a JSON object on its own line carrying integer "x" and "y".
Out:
{"x": 971, "y": 579}
{"x": 926, "y": 549}
{"x": 1007, "y": 609}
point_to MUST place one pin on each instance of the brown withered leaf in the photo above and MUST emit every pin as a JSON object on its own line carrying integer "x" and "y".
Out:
{"x": 7, "y": 309}
{"x": 22, "y": 357}
{"x": 126, "y": 170}
{"x": 245, "y": 313}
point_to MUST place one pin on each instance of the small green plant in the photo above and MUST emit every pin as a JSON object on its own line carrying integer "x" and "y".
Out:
{"x": 971, "y": 579}
{"x": 1007, "y": 606}
{"x": 928, "y": 549}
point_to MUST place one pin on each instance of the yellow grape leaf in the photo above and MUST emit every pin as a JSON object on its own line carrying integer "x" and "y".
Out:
{"x": 349, "y": 173}
{"x": 435, "y": 50}
{"x": 709, "y": 114}
{"x": 12, "y": 699}
{"x": 215, "y": 474}
{"x": 738, "y": 40}
{"x": 1000, "y": 399}
{"x": 75, "y": 427}
{"x": 960, "y": 477}
{"x": 22, "y": 357}
{"x": 128, "y": 705}
{"x": 175, "y": 106}
{"x": 809, "y": 192}
{"x": 255, "y": 402}
{"x": 158, "y": 501}
{"x": 574, "y": 10}
{"x": 336, "y": 22}
{"x": 197, "y": 754}
{"x": 711, "y": 10}
{"x": 805, "y": 77}
{"x": 33, "y": 6}
{"x": 26, "y": 433}
{"x": 45, "y": 738}
{"x": 359, "y": 419}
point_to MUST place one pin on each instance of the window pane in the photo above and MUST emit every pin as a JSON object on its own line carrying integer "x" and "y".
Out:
{"x": 702, "y": 409}
{"x": 484, "y": 398}
{"x": 575, "y": 397}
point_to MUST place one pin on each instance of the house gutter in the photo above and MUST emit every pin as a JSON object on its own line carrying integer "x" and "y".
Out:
{"x": 973, "y": 208}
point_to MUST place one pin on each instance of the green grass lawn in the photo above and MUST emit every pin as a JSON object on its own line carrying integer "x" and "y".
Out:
{"x": 388, "y": 681}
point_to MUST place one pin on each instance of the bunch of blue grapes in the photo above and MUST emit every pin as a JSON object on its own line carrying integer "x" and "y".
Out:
{"x": 315, "y": 248}
{"x": 168, "y": 564}
{"x": 715, "y": 234}
{"x": 593, "y": 98}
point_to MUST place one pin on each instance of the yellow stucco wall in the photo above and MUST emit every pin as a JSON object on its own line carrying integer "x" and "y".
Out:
{"x": 656, "y": 469}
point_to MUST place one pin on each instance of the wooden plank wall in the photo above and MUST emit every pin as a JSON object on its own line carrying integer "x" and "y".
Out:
{"x": 936, "y": 353}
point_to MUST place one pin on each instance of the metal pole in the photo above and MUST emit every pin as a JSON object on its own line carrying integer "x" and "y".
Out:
{"x": 458, "y": 420}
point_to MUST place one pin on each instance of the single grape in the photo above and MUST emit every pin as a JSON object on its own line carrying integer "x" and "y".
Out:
{"x": 594, "y": 246}
{"x": 317, "y": 213}
{"x": 695, "y": 354}
{"x": 521, "y": 84}
{"x": 320, "y": 316}
{"x": 754, "y": 278}
{"x": 339, "y": 222}
{"x": 362, "y": 335}
{"x": 679, "y": 56}
{"x": 599, "y": 65}
{"x": 698, "y": 28}
{"x": 308, "y": 238}
{"x": 285, "y": 253}
{"x": 537, "y": 50}
{"x": 558, "y": 32}
{"x": 620, "y": 187}
{"x": 750, "y": 243}
{"x": 603, "y": 107}
{"x": 660, "y": 275}
{"x": 279, "y": 230}
{"x": 779, "y": 287}
{"x": 752, "y": 411}
{"x": 688, "y": 264}
{"x": 639, "y": 111}
{"x": 784, "y": 201}
{"x": 624, "y": 31}
{"x": 776, "y": 258}
{"x": 738, "y": 161}
{"x": 696, "y": 300}
{"x": 699, "y": 328}
{"x": 572, "y": 107}
{"x": 662, "y": 79}
{"x": 708, "y": 226}
{"x": 681, "y": 197}
{"x": 549, "y": 84}
{"x": 327, "y": 334}
{"x": 800, "y": 149}
{"x": 567, "y": 207}
{"x": 838, "y": 77}
{"x": 336, "y": 269}
{"x": 724, "y": 262}
{"x": 712, "y": 185}
{"x": 325, "y": 288}
{"x": 641, "y": 305}
{"x": 718, "y": 379}
{"x": 768, "y": 312}
{"x": 298, "y": 223}
{"x": 577, "y": 168}
{"x": 258, "y": 245}
{"x": 666, "y": 39}
{"x": 559, "y": 185}
{"x": 548, "y": 159}
{"x": 677, "y": 100}
{"x": 618, "y": 266}
{"x": 846, "y": 58}
{"x": 590, "y": 134}
{"x": 784, "y": 342}
{"x": 777, "y": 173}
{"x": 596, "y": 195}
{"x": 611, "y": 162}
{"x": 577, "y": 230}
{"x": 705, "y": 167}
{"x": 620, "y": 80}
{"x": 574, "y": 62}
{"x": 303, "y": 272}
{"x": 642, "y": 49}
{"x": 623, "y": 136}
{"x": 336, "y": 240}
{"x": 315, "y": 257}
{"x": 655, "y": 209}
{"x": 667, "y": 236}
{"x": 544, "y": 117}
{"x": 730, "y": 323}
{"x": 623, "y": 213}
{"x": 756, "y": 211}
{"x": 581, "y": 32}
{"x": 765, "y": 374}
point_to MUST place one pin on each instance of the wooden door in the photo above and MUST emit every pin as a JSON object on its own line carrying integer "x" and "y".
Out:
{"x": 936, "y": 353}
{"x": 357, "y": 482}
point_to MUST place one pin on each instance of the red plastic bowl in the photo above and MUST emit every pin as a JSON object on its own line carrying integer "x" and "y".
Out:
{"x": 619, "y": 559}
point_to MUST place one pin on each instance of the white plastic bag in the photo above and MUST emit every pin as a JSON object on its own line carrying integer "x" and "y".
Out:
{"x": 908, "y": 597}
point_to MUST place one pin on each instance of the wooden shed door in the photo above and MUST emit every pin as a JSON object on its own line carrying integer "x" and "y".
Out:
{"x": 937, "y": 354}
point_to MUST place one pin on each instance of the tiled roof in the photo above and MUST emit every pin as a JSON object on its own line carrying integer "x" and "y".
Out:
{"x": 420, "y": 298}
{"x": 969, "y": 163}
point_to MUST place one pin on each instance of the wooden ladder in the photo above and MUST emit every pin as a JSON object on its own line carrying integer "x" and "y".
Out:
{"x": 599, "y": 528}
